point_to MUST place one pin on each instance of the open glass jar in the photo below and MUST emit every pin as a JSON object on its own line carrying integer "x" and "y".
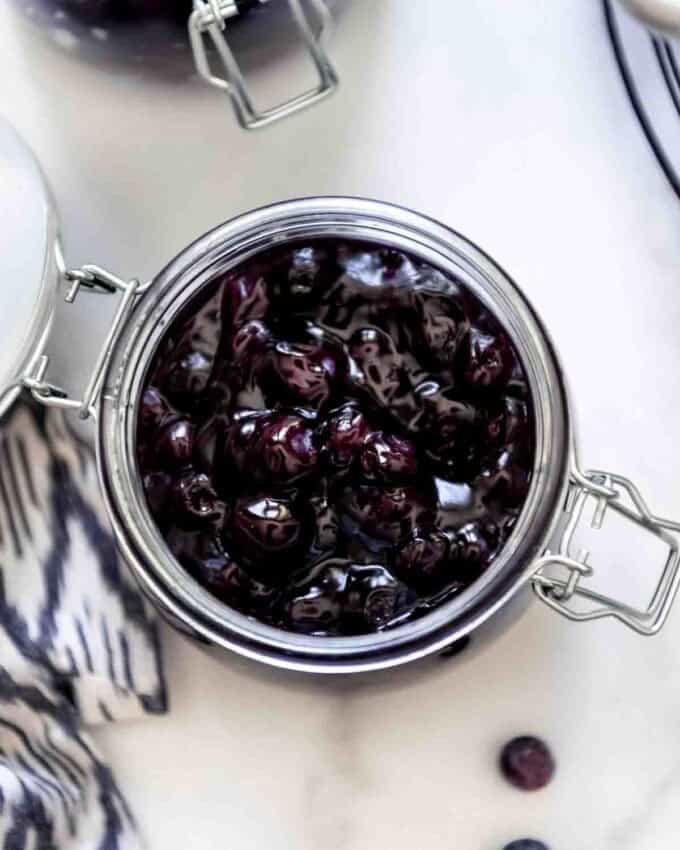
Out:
{"x": 538, "y": 552}
{"x": 179, "y": 38}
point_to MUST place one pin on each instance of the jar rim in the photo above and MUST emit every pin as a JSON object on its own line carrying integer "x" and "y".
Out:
{"x": 194, "y": 609}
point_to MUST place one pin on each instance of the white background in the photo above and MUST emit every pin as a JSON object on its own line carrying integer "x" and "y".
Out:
{"x": 509, "y": 122}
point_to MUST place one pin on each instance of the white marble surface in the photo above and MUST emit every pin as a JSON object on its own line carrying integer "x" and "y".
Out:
{"x": 508, "y": 121}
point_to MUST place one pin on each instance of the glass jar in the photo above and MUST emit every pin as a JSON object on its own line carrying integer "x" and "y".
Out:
{"x": 539, "y": 553}
{"x": 660, "y": 15}
{"x": 179, "y": 38}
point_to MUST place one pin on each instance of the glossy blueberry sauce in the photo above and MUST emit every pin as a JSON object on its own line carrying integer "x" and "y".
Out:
{"x": 335, "y": 437}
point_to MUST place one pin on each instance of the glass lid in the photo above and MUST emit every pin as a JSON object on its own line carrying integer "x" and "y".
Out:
{"x": 28, "y": 272}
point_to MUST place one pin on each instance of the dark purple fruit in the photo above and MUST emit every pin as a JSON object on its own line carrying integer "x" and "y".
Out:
{"x": 470, "y": 551}
{"x": 422, "y": 557}
{"x": 195, "y": 501}
{"x": 189, "y": 375}
{"x": 527, "y": 763}
{"x": 507, "y": 422}
{"x": 342, "y": 437}
{"x": 285, "y": 451}
{"x": 250, "y": 342}
{"x": 325, "y": 527}
{"x": 503, "y": 479}
{"x": 388, "y": 458}
{"x": 304, "y": 373}
{"x": 304, "y": 271}
{"x": 175, "y": 443}
{"x": 154, "y": 410}
{"x": 244, "y": 297}
{"x": 375, "y": 598}
{"x": 388, "y": 513}
{"x": 265, "y": 527}
{"x": 157, "y": 490}
{"x": 486, "y": 360}
{"x": 242, "y": 437}
{"x": 526, "y": 844}
{"x": 444, "y": 327}
{"x": 378, "y": 365}
{"x": 315, "y": 603}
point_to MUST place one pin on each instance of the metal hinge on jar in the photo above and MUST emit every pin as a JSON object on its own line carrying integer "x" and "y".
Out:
{"x": 208, "y": 20}
{"x": 606, "y": 491}
{"x": 95, "y": 279}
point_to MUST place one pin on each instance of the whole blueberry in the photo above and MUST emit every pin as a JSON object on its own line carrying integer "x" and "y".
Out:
{"x": 503, "y": 479}
{"x": 374, "y": 597}
{"x": 241, "y": 439}
{"x": 245, "y": 297}
{"x": 175, "y": 443}
{"x": 154, "y": 410}
{"x": 315, "y": 603}
{"x": 378, "y": 365}
{"x": 249, "y": 343}
{"x": 421, "y": 558}
{"x": 526, "y": 844}
{"x": 388, "y": 513}
{"x": 195, "y": 501}
{"x": 388, "y": 458}
{"x": 305, "y": 373}
{"x": 444, "y": 326}
{"x": 189, "y": 374}
{"x": 157, "y": 489}
{"x": 486, "y": 360}
{"x": 342, "y": 436}
{"x": 264, "y": 527}
{"x": 470, "y": 551}
{"x": 527, "y": 763}
{"x": 285, "y": 451}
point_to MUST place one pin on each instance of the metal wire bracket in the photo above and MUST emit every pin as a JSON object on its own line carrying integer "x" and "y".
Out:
{"x": 209, "y": 20}
{"x": 97, "y": 280}
{"x": 608, "y": 491}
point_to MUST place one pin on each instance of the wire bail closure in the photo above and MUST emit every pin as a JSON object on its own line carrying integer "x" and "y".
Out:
{"x": 208, "y": 21}
{"x": 609, "y": 492}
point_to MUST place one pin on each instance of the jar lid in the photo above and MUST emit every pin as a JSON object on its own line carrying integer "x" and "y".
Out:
{"x": 28, "y": 271}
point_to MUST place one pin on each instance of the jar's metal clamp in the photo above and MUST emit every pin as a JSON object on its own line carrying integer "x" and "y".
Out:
{"x": 208, "y": 20}
{"x": 95, "y": 279}
{"x": 607, "y": 491}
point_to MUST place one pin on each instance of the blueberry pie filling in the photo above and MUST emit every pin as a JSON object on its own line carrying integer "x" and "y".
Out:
{"x": 335, "y": 437}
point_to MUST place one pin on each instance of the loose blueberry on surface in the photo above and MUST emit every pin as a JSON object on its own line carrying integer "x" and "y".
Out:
{"x": 388, "y": 458}
{"x": 175, "y": 443}
{"x": 526, "y": 844}
{"x": 527, "y": 763}
{"x": 486, "y": 360}
{"x": 421, "y": 558}
{"x": 263, "y": 527}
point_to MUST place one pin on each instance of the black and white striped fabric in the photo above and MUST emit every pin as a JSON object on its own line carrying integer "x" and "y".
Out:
{"x": 78, "y": 645}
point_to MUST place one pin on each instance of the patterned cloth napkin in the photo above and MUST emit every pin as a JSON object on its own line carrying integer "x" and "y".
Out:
{"x": 78, "y": 645}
